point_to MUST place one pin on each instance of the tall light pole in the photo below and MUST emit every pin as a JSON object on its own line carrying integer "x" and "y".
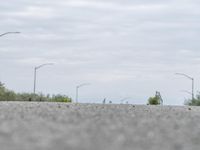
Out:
{"x": 192, "y": 79}
{"x": 6, "y": 33}
{"x": 77, "y": 88}
{"x": 35, "y": 74}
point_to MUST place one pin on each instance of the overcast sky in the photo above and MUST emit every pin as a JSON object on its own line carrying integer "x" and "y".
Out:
{"x": 123, "y": 48}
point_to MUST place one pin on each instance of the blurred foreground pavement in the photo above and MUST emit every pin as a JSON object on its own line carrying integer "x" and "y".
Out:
{"x": 60, "y": 126}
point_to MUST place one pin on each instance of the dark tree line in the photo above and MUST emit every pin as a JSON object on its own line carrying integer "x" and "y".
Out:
{"x": 9, "y": 95}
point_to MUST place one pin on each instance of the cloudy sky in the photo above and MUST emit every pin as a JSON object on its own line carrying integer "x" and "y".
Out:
{"x": 123, "y": 48}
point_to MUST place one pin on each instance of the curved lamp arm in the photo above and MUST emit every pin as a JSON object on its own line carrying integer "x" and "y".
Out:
{"x": 6, "y": 33}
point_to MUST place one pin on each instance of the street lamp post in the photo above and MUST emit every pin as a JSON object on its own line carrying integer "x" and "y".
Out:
{"x": 6, "y": 33}
{"x": 77, "y": 89}
{"x": 192, "y": 79}
{"x": 35, "y": 74}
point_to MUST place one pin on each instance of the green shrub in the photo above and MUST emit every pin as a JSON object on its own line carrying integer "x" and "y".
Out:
{"x": 193, "y": 102}
{"x": 8, "y": 95}
{"x": 31, "y": 97}
{"x": 60, "y": 98}
{"x": 154, "y": 101}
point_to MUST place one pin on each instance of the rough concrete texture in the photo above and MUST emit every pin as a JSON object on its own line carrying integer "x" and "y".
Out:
{"x": 60, "y": 126}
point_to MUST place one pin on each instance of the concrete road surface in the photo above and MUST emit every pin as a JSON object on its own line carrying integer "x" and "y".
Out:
{"x": 60, "y": 126}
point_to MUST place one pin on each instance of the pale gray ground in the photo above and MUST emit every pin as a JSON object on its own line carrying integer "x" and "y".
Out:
{"x": 57, "y": 126}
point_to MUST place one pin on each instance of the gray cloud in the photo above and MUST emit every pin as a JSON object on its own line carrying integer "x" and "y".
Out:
{"x": 125, "y": 48}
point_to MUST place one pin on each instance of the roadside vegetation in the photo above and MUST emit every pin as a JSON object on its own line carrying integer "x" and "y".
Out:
{"x": 9, "y": 95}
{"x": 194, "y": 102}
{"x": 155, "y": 100}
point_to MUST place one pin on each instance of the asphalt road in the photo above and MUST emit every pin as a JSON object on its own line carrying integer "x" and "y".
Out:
{"x": 58, "y": 126}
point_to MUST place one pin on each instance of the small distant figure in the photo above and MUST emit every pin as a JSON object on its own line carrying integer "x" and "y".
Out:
{"x": 104, "y": 101}
{"x": 127, "y": 102}
{"x": 110, "y": 102}
{"x": 29, "y": 100}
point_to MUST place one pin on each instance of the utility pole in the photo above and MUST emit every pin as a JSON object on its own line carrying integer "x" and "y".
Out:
{"x": 4, "y": 34}
{"x": 77, "y": 90}
{"x": 35, "y": 74}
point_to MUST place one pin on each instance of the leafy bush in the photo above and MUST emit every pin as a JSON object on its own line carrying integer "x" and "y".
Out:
{"x": 8, "y": 95}
{"x": 154, "y": 101}
{"x": 193, "y": 102}
{"x": 60, "y": 98}
{"x": 31, "y": 97}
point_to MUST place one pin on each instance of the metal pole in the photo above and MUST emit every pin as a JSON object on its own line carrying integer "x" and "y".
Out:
{"x": 35, "y": 69}
{"x": 192, "y": 89}
{"x": 77, "y": 88}
{"x": 35, "y": 74}
{"x": 77, "y": 94}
